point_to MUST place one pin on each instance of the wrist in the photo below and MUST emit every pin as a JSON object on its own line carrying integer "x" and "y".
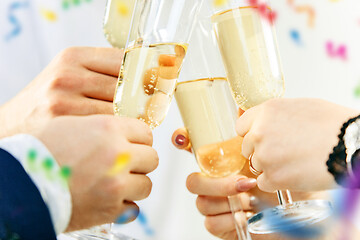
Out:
{"x": 7, "y": 122}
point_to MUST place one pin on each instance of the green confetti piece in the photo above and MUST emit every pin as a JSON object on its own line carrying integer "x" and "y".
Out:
{"x": 76, "y": 2}
{"x": 32, "y": 155}
{"x": 48, "y": 163}
{"x": 88, "y": 0}
{"x": 357, "y": 91}
{"x": 65, "y": 5}
{"x": 65, "y": 172}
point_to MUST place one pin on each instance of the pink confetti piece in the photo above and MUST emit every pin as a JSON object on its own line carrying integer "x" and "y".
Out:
{"x": 264, "y": 10}
{"x": 336, "y": 52}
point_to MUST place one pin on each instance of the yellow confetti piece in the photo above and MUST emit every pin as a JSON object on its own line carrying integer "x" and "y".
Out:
{"x": 49, "y": 15}
{"x": 121, "y": 162}
{"x": 122, "y": 8}
{"x": 219, "y": 3}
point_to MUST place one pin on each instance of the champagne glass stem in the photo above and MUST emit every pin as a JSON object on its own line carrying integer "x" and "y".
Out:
{"x": 241, "y": 229}
{"x": 284, "y": 198}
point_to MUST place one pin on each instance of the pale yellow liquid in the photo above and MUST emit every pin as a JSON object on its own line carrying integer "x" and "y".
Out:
{"x": 117, "y": 21}
{"x": 249, "y": 49}
{"x": 147, "y": 81}
{"x": 209, "y": 114}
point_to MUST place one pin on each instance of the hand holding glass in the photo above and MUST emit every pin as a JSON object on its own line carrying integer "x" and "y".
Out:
{"x": 250, "y": 54}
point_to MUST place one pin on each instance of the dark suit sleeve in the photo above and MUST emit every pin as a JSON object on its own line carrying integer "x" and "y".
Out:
{"x": 23, "y": 213}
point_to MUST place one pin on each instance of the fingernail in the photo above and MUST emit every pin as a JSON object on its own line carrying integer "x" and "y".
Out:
{"x": 254, "y": 201}
{"x": 180, "y": 140}
{"x": 243, "y": 185}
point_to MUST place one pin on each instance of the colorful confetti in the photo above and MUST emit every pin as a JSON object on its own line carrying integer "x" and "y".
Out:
{"x": 49, "y": 15}
{"x": 121, "y": 162}
{"x": 48, "y": 163}
{"x": 264, "y": 10}
{"x": 143, "y": 221}
{"x": 65, "y": 172}
{"x": 123, "y": 8}
{"x": 13, "y": 20}
{"x": 127, "y": 216}
{"x": 66, "y": 4}
{"x": 339, "y": 52}
{"x": 46, "y": 168}
{"x": 132, "y": 213}
{"x": 357, "y": 91}
{"x": 219, "y": 3}
{"x": 32, "y": 155}
{"x": 309, "y": 10}
{"x": 295, "y": 36}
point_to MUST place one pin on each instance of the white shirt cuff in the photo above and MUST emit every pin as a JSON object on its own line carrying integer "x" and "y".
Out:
{"x": 49, "y": 178}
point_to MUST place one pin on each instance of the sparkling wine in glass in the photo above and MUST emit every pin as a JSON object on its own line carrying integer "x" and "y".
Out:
{"x": 147, "y": 81}
{"x": 154, "y": 54}
{"x": 209, "y": 114}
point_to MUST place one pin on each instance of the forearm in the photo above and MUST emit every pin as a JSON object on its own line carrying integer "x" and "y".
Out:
{"x": 11, "y": 119}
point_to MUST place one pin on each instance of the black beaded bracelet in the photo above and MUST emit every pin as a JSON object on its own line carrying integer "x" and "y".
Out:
{"x": 337, "y": 164}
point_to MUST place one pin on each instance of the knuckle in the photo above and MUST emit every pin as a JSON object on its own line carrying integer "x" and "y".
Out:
{"x": 227, "y": 190}
{"x": 115, "y": 187}
{"x": 57, "y": 106}
{"x": 106, "y": 124}
{"x": 62, "y": 79}
{"x": 145, "y": 130}
{"x": 148, "y": 136}
{"x": 257, "y": 135}
{"x": 145, "y": 188}
{"x": 155, "y": 159}
{"x": 119, "y": 186}
{"x": 69, "y": 55}
{"x": 262, "y": 184}
{"x": 202, "y": 204}
{"x": 212, "y": 225}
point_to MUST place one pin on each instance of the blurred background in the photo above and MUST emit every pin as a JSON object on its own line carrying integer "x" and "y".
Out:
{"x": 320, "y": 51}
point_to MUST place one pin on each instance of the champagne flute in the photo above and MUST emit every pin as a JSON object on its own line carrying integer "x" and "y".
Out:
{"x": 247, "y": 42}
{"x": 209, "y": 113}
{"x": 155, "y": 50}
{"x": 117, "y": 21}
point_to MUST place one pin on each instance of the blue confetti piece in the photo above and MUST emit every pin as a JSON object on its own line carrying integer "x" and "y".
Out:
{"x": 13, "y": 20}
{"x": 143, "y": 221}
{"x": 127, "y": 216}
{"x": 295, "y": 36}
{"x": 131, "y": 214}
